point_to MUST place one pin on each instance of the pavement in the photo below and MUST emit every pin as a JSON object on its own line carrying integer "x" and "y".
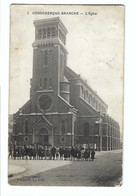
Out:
{"x": 14, "y": 169}
{"x": 19, "y": 169}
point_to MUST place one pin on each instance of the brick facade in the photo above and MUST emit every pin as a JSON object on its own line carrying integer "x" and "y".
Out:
{"x": 63, "y": 110}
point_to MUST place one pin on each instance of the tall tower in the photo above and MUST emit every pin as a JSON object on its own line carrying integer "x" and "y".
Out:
{"x": 49, "y": 59}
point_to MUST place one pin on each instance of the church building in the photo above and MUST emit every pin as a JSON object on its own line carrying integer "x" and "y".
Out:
{"x": 63, "y": 110}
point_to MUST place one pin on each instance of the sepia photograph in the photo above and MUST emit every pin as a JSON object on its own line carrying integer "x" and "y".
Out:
{"x": 65, "y": 124}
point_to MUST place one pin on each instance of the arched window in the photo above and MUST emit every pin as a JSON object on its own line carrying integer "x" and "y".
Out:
{"x": 93, "y": 101}
{"x": 40, "y": 34}
{"x": 87, "y": 95}
{"x": 44, "y": 33}
{"x": 40, "y": 85}
{"x": 45, "y": 83}
{"x": 49, "y": 32}
{"x": 50, "y": 82}
{"x": 86, "y": 129}
{"x": 26, "y": 126}
{"x": 84, "y": 94}
{"x": 82, "y": 89}
{"x": 91, "y": 98}
{"x": 97, "y": 105}
{"x": 100, "y": 106}
{"x": 53, "y": 31}
{"x": 63, "y": 127}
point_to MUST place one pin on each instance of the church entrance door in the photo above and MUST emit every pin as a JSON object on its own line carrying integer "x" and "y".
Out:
{"x": 43, "y": 137}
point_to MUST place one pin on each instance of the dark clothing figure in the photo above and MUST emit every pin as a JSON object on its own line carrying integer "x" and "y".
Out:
{"x": 61, "y": 152}
{"x": 42, "y": 152}
{"x": 79, "y": 154}
{"x": 86, "y": 154}
{"x": 48, "y": 153}
{"x": 22, "y": 152}
{"x": 14, "y": 153}
{"x": 92, "y": 155}
{"x": 53, "y": 152}
{"x": 34, "y": 153}
{"x": 65, "y": 154}
{"x": 10, "y": 152}
{"x": 72, "y": 152}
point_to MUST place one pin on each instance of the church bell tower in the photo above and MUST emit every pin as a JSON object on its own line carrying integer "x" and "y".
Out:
{"x": 49, "y": 59}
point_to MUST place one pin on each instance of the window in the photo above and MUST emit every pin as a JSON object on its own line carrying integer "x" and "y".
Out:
{"x": 64, "y": 60}
{"x": 48, "y": 32}
{"x": 61, "y": 36}
{"x": 45, "y": 60}
{"x": 100, "y": 106}
{"x": 50, "y": 82}
{"x": 53, "y": 31}
{"x": 63, "y": 127}
{"x": 91, "y": 98}
{"x": 86, "y": 129}
{"x": 97, "y": 105}
{"x": 87, "y": 95}
{"x": 94, "y": 103}
{"x": 40, "y": 34}
{"x": 44, "y": 33}
{"x": 84, "y": 94}
{"x": 26, "y": 126}
{"x": 82, "y": 89}
{"x": 45, "y": 83}
{"x": 40, "y": 83}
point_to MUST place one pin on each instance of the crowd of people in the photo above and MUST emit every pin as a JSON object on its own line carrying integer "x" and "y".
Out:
{"x": 38, "y": 152}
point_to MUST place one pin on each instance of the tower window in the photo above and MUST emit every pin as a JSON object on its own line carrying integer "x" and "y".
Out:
{"x": 50, "y": 82}
{"x": 53, "y": 31}
{"x": 48, "y": 32}
{"x": 40, "y": 83}
{"x": 61, "y": 36}
{"x": 45, "y": 83}
{"x": 45, "y": 60}
{"x": 44, "y": 33}
{"x": 40, "y": 34}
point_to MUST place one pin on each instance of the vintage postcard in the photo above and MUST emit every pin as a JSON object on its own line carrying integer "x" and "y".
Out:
{"x": 66, "y": 95}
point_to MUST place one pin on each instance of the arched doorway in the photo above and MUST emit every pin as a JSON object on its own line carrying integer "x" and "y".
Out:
{"x": 43, "y": 137}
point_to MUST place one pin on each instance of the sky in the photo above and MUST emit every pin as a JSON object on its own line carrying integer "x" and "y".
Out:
{"x": 95, "y": 44}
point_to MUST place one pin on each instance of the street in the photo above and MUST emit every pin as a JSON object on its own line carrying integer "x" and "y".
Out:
{"x": 105, "y": 170}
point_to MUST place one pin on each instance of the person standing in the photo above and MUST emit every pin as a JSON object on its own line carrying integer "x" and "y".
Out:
{"x": 45, "y": 154}
{"x": 72, "y": 152}
{"x": 53, "y": 152}
{"x": 92, "y": 155}
{"x": 61, "y": 152}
